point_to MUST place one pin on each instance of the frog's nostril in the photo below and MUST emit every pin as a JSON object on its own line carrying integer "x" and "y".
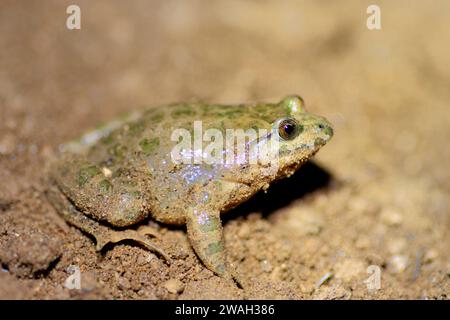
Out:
{"x": 328, "y": 131}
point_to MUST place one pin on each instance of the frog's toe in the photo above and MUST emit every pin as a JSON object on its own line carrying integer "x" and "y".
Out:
{"x": 237, "y": 278}
{"x": 229, "y": 273}
{"x": 138, "y": 236}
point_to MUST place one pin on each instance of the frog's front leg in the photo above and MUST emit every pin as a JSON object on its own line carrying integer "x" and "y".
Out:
{"x": 205, "y": 233}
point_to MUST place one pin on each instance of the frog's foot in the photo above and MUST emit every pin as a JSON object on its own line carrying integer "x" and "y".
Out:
{"x": 139, "y": 236}
{"x": 101, "y": 233}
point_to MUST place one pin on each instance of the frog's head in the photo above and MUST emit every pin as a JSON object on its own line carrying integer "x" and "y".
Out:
{"x": 299, "y": 134}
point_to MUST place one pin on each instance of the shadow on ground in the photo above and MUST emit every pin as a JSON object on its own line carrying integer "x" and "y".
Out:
{"x": 308, "y": 179}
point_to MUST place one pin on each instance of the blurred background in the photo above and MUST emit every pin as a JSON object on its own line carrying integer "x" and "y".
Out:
{"x": 379, "y": 194}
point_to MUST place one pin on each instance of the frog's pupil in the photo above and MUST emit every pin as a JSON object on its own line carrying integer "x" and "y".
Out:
{"x": 289, "y": 129}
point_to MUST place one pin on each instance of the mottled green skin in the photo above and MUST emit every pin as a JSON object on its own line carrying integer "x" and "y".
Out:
{"x": 123, "y": 172}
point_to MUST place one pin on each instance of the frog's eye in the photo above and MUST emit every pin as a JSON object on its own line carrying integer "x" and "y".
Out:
{"x": 289, "y": 129}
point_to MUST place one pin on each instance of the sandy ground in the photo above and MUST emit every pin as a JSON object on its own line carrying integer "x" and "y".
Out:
{"x": 375, "y": 199}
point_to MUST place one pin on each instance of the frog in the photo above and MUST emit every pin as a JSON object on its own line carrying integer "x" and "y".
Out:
{"x": 114, "y": 177}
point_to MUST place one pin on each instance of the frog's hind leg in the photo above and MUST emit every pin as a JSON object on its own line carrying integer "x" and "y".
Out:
{"x": 205, "y": 233}
{"x": 102, "y": 234}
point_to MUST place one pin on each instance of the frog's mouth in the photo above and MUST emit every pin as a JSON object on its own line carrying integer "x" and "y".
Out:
{"x": 294, "y": 162}
{"x": 290, "y": 169}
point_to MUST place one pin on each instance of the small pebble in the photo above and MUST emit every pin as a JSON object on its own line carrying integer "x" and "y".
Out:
{"x": 391, "y": 217}
{"x": 399, "y": 263}
{"x": 174, "y": 286}
{"x": 266, "y": 266}
{"x": 124, "y": 283}
{"x": 276, "y": 274}
{"x": 106, "y": 172}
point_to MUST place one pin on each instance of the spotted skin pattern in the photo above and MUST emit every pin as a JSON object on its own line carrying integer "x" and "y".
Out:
{"x": 123, "y": 172}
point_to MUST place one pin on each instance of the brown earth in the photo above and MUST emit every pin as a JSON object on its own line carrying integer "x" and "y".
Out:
{"x": 376, "y": 195}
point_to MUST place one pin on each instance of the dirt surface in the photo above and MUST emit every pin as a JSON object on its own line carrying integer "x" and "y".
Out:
{"x": 375, "y": 199}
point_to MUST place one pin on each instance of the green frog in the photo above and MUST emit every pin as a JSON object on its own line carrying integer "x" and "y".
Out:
{"x": 114, "y": 177}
